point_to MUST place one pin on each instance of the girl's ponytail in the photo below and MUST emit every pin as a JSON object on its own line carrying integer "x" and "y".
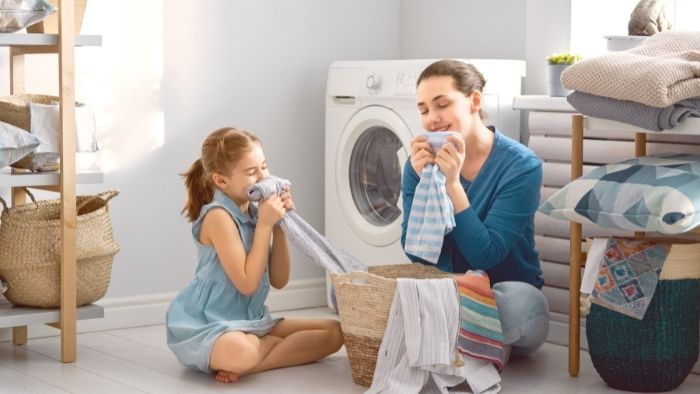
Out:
{"x": 199, "y": 190}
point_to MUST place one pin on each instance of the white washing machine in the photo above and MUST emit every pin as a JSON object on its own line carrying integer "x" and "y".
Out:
{"x": 371, "y": 117}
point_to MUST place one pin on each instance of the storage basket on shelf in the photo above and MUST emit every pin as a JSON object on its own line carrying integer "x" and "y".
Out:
{"x": 658, "y": 352}
{"x": 364, "y": 302}
{"x": 30, "y": 242}
{"x": 14, "y": 110}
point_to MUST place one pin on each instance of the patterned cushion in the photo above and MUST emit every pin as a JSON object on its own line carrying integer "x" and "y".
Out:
{"x": 652, "y": 193}
{"x": 15, "y": 143}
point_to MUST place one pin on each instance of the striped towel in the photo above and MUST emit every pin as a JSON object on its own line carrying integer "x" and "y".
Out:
{"x": 480, "y": 333}
{"x": 432, "y": 216}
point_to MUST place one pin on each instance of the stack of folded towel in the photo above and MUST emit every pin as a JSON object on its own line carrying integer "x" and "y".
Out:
{"x": 655, "y": 85}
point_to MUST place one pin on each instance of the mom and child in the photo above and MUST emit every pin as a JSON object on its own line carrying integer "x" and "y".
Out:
{"x": 219, "y": 322}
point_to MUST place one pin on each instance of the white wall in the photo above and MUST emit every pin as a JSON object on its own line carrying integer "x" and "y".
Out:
{"x": 169, "y": 72}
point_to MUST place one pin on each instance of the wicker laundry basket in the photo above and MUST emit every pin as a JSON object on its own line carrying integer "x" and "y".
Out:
{"x": 30, "y": 242}
{"x": 656, "y": 353}
{"x": 15, "y": 111}
{"x": 364, "y": 302}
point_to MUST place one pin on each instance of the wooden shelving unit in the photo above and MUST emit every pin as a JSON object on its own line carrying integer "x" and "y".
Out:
{"x": 64, "y": 182}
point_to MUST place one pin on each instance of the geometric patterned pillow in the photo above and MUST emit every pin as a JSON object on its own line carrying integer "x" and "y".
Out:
{"x": 650, "y": 193}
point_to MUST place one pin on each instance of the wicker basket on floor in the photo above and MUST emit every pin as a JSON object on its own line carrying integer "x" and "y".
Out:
{"x": 30, "y": 244}
{"x": 364, "y": 302}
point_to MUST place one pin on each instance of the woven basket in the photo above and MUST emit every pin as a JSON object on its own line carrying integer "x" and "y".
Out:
{"x": 364, "y": 302}
{"x": 30, "y": 245}
{"x": 15, "y": 111}
{"x": 658, "y": 352}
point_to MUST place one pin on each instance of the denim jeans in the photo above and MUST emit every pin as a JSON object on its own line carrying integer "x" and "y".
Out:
{"x": 524, "y": 314}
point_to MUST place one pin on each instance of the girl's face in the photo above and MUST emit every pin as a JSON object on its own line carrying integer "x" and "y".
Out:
{"x": 443, "y": 108}
{"x": 249, "y": 170}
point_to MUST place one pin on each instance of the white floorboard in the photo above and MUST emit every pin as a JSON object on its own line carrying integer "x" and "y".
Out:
{"x": 137, "y": 360}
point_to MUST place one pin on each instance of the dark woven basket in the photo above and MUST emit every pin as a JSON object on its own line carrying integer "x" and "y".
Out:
{"x": 653, "y": 354}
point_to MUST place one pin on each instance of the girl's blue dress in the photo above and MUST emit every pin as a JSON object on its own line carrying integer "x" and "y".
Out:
{"x": 210, "y": 304}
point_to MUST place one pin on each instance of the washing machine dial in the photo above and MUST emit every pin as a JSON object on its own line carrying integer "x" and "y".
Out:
{"x": 373, "y": 82}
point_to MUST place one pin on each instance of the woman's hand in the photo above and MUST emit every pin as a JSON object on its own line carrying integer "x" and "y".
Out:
{"x": 286, "y": 198}
{"x": 421, "y": 154}
{"x": 450, "y": 159}
{"x": 271, "y": 211}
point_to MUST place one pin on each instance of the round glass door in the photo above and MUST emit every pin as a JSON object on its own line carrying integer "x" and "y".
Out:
{"x": 375, "y": 175}
{"x": 369, "y": 166}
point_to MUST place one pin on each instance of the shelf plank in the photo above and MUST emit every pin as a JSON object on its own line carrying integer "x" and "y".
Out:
{"x": 14, "y": 316}
{"x": 542, "y": 103}
{"x": 689, "y": 126}
{"x": 31, "y": 39}
{"x": 30, "y": 179}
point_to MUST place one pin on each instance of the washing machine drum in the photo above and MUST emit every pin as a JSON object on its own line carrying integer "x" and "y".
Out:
{"x": 375, "y": 175}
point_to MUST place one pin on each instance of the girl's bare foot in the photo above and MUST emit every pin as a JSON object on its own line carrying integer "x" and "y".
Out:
{"x": 226, "y": 377}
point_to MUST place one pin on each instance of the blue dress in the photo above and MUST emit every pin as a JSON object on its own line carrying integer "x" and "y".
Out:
{"x": 210, "y": 304}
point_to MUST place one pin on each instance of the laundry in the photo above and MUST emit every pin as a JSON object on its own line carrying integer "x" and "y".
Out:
{"x": 419, "y": 350}
{"x": 317, "y": 247}
{"x": 480, "y": 332}
{"x": 432, "y": 216}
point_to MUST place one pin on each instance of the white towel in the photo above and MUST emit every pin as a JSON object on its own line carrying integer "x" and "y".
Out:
{"x": 419, "y": 349}
{"x": 432, "y": 216}
{"x": 314, "y": 245}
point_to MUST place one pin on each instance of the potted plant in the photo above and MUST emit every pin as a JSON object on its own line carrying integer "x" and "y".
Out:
{"x": 556, "y": 64}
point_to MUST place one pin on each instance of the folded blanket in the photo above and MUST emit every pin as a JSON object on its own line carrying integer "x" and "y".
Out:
{"x": 644, "y": 116}
{"x": 659, "y": 72}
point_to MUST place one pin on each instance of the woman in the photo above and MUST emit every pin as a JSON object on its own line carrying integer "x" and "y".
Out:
{"x": 493, "y": 183}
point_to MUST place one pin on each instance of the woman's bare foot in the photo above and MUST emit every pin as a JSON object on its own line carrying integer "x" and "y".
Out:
{"x": 226, "y": 377}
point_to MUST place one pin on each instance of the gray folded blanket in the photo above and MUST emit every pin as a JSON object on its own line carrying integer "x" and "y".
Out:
{"x": 644, "y": 116}
{"x": 317, "y": 247}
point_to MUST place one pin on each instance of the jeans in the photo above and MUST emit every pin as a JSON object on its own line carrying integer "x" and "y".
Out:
{"x": 524, "y": 314}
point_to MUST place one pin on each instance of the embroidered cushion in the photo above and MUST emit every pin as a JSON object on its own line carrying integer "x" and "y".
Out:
{"x": 651, "y": 193}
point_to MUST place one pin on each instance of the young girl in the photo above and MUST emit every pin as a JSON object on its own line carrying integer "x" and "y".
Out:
{"x": 219, "y": 321}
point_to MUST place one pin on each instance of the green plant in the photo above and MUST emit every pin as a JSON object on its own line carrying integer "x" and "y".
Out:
{"x": 563, "y": 58}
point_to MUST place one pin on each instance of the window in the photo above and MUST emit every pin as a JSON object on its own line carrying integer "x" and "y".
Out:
{"x": 591, "y": 20}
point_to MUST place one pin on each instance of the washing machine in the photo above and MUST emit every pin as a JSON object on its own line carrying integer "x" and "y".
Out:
{"x": 371, "y": 117}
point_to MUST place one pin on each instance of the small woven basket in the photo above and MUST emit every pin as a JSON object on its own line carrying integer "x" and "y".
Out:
{"x": 30, "y": 245}
{"x": 15, "y": 111}
{"x": 656, "y": 353}
{"x": 364, "y": 302}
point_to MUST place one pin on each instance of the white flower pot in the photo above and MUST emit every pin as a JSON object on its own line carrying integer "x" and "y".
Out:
{"x": 554, "y": 86}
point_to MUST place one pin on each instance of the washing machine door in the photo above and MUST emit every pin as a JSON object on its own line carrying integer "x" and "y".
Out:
{"x": 373, "y": 148}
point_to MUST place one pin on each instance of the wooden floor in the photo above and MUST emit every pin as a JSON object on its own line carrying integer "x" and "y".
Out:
{"x": 137, "y": 360}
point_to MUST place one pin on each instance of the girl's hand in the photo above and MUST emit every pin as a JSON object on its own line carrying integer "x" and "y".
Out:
{"x": 271, "y": 211}
{"x": 450, "y": 159}
{"x": 286, "y": 197}
{"x": 421, "y": 154}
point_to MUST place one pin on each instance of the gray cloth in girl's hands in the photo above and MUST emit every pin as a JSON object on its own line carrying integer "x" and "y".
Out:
{"x": 320, "y": 249}
{"x": 638, "y": 114}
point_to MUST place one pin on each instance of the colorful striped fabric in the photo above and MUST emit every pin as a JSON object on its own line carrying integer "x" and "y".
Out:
{"x": 480, "y": 333}
{"x": 431, "y": 217}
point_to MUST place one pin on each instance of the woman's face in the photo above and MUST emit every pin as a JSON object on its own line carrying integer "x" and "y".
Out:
{"x": 442, "y": 107}
{"x": 249, "y": 170}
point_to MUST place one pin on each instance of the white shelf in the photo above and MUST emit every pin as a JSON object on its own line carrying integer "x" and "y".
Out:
{"x": 542, "y": 103}
{"x": 13, "y": 316}
{"x": 29, "y": 39}
{"x": 690, "y": 126}
{"x": 30, "y": 179}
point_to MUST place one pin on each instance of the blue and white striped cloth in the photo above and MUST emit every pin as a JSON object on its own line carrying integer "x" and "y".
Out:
{"x": 432, "y": 216}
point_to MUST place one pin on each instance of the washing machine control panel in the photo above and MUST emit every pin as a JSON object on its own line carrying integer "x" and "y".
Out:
{"x": 399, "y": 84}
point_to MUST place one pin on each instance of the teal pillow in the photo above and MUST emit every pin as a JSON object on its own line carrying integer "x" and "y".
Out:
{"x": 651, "y": 193}
{"x": 15, "y": 143}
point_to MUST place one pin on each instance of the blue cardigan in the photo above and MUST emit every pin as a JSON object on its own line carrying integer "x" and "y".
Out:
{"x": 496, "y": 233}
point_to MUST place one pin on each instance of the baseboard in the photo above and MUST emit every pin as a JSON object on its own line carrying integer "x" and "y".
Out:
{"x": 150, "y": 309}
{"x": 559, "y": 335}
